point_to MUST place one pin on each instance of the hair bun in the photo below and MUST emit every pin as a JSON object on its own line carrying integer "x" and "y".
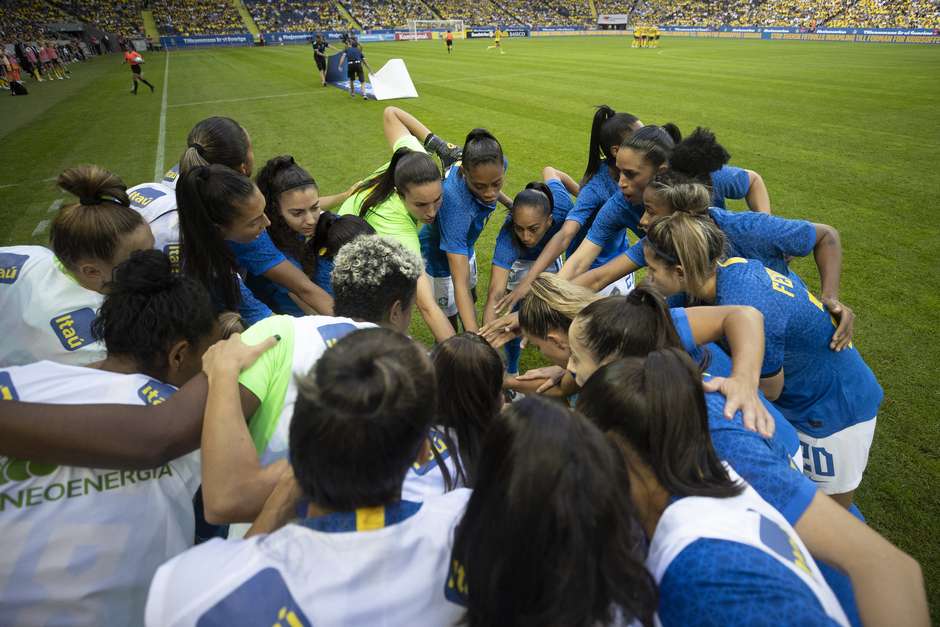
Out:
{"x": 93, "y": 184}
{"x": 145, "y": 272}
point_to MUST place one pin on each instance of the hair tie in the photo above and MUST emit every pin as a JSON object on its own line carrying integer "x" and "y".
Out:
{"x": 90, "y": 200}
{"x": 198, "y": 147}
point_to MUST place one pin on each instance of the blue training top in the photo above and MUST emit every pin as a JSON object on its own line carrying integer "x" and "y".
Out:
{"x": 256, "y": 258}
{"x": 824, "y": 391}
{"x": 507, "y": 251}
{"x": 592, "y": 196}
{"x": 457, "y": 228}
{"x": 729, "y": 182}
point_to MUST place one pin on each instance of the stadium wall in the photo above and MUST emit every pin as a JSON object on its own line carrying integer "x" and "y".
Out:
{"x": 862, "y": 35}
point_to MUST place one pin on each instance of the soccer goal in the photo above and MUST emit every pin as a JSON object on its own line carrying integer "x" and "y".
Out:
{"x": 416, "y": 28}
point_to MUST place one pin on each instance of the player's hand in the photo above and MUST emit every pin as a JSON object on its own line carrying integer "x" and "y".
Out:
{"x": 552, "y": 375}
{"x": 229, "y": 357}
{"x": 845, "y": 318}
{"x": 501, "y": 330}
{"x": 742, "y": 396}
{"x": 508, "y": 302}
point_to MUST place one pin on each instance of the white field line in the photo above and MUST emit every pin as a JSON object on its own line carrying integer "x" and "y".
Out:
{"x": 161, "y": 137}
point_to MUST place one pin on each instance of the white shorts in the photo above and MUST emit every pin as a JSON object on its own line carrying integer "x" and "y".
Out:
{"x": 837, "y": 462}
{"x": 620, "y": 287}
{"x": 444, "y": 289}
{"x": 520, "y": 269}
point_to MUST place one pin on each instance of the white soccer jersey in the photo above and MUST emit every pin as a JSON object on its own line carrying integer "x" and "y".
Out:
{"x": 377, "y": 566}
{"x": 44, "y": 312}
{"x": 156, "y": 202}
{"x": 426, "y": 480}
{"x": 745, "y": 519}
{"x": 171, "y": 176}
{"x": 80, "y": 546}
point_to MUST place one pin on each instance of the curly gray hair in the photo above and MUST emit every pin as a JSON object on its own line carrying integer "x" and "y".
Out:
{"x": 370, "y": 273}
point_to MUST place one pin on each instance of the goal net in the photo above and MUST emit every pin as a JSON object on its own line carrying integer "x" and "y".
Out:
{"x": 428, "y": 26}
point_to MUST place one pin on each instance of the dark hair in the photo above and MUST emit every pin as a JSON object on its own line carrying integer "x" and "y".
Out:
{"x": 627, "y": 326}
{"x": 536, "y": 194}
{"x": 608, "y": 128}
{"x": 470, "y": 395}
{"x": 149, "y": 308}
{"x": 682, "y": 192}
{"x": 655, "y": 143}
{"x": 279, "y": 175}
{"x": 333, "y": 232}
{"x": 407, "y": 167}
{"x": 698, "y": 155}
{"x": 481, "y": 147}
{"x": 654, "y": 407}
{"x": 370, "y": 274}
{"x": 549, "y": 536}
{"x": 351, "y": 445}
{"x": 209, "y": 197}
{"x": 215, "y": 140}
{"x": 93, "y": 227}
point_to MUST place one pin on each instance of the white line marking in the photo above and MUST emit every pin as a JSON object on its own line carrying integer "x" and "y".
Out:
{"x": 41, "y": 227}
{"x": 54, "y": 206}
{"x": 161, "y": 138}
{"x": 205, "y": 102}
{"x": 51, "y": 178}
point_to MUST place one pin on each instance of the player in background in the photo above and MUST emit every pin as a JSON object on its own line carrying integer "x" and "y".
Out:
{"x": 471, "y": 190}
{"x": 91, "y": 556}
{"x": 359, "y": 554}
{"x": 831, "y": 397}
{"x": 698, "y": 514}
{"x": 401, "y": 196}
{"x": 469, "y": 398}
{"x": 320, "y": 47}
{"x": 537, "y": 213}
{"x": 332, "y": 233}
{"x": 497, "y": 36}
{"x": 135, "y": 60}
{"x": 48, "y": 299}
{"x": 549, "y": 476}
{"x": 355, "y": 59}
{"x": 449, "y": 38}
{"x": 636, "y": 36}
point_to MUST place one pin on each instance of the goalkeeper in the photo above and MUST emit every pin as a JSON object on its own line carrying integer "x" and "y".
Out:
{"x": 133, "y": 57}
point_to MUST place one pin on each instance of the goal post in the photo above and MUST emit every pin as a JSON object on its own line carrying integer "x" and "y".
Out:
{"x": 440, "y": 26}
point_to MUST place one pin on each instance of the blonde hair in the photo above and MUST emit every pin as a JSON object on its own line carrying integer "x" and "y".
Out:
{"x": 552, "y": 303}
{"x": 682, "y": 193}
{"x": 692, "y": 241}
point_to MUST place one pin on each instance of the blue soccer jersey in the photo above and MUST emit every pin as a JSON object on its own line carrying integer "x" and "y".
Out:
{"x": 256, "y": 258}
{"x": 824, "y": 391}
{"x": 592, "y": 196}
{"x": 729, "y": 182}
{"x": 507, "y": 251}
{"x": 457, "y": 228}
{"x": 323, "y": 276}
{"x": 609, "y": 229}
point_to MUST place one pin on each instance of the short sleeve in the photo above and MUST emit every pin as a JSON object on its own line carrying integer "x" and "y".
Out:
{"x": 505, "y": 253}
{"x": 260, "y": 376}
{"x": 454, "y": 220}
{"x": 251, "y": 309}
{"x": 636, "y": 254}
{"x": 561, "y": 200}
{"x": 257, "y": 256}
{"x": 611, "y": 221}
{"x": 729, "y": 182}
{"x": 408, "y": 141}
{"x": 681, "y": 321}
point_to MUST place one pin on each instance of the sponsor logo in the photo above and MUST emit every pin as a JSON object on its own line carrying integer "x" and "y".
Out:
{"x": 264, "y": 599}
{"x": 332, "y": 333}
{"x": 7, "y": 390}
{"x": 74, "y": 328}
{"x": 143, "y": 196}
{"x": 173, "y": 252}
{"x": 10, "y": 266}
{"x": 154, "y": 392}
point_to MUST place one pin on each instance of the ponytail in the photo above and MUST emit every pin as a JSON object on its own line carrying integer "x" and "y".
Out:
{"x": 93, "y": 227}
{"x": 608, "y": 128}
{"x": 698, "y": 155}
{"x": 481, "y": 147}
{"x": 654, "y": 409}
{"x": 407, "y": 167}
{"x": 692, "y": 241}
{"x": 216, "y": 140}
{"x": 208, "y": 198}
{"x": 333, "y": 232}
{"x": 655, "y": 143}
{"x": 552, "y": 303}
{"x": 279, "y": 175}
{"x": 681, "y": 192}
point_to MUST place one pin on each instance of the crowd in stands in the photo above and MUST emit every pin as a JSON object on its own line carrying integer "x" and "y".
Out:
{"x": 122, "y": 18}
{"x": 295, "y": 15}
{"x": 373, "y": 14}
{"x": 890, "y": 14}
{"x": 549, "y": 12}
{"x": 27, "y": 20}
{"x": 197, "y": 17}
{"x": 482, "y": 13}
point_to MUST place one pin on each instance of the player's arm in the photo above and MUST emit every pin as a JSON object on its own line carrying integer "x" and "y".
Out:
{"x": 549, "y": 173}
{"x": 580, "y": 261}
{"x": 398, "y": 123}
{"x": 757, "y": 197}
{"x": 599, "y": 278}
{"x": 827, "y": 252}
{"x": 299, "y": 284}
{"x": 499, "y": 278}
{"x": 460, "y": 275}
{"x": 437, "y": 322}
{"x": 553, "y": 249}
{"x": 888, "y": 583}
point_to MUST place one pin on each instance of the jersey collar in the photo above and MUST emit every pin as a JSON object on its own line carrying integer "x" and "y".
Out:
{"x": 363, "y": 519}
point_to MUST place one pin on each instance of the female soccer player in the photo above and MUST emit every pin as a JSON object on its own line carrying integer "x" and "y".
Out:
{"x": 469, "y": 398}
{"x": 599, "y": 183}
{"x": 332, "y": 233}
{"x": 537, "y": 213}
{"x": 471, "y": 190}
{"x": 359, "y": 554}
{"x": 752, "y": 235}
{"x": 404, "y": 194}
{"x": 48, "y": 299}
{"x": 497, "y": 37}
{"x": 831, "y": 397}
{"x": 85, "y": 543}
{"x": 698, "y": 515}
{"x": 135, "y": 60}
{"x": 549, "y": 536}
{"x": 356, "y": 59}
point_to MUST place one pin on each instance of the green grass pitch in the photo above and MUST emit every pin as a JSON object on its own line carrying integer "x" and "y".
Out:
{"x": 845, "y": 134}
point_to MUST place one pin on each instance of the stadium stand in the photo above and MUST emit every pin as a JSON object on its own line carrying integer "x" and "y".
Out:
{"x": 26, "y": 20}
{"x": 197, "y": 17}
{"x": 372, "y": 14}
{"x": 549, "y": 12}
{"x": 122, "y": 18}
{"x": 482, "y": 13}
{"x": 295, "y": 15}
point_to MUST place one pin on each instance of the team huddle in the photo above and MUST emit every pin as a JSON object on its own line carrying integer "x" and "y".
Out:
{"x": 211, "y": 412}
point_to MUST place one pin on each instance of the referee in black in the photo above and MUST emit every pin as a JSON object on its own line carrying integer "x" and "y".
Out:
{"x": 320, "y": 46}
